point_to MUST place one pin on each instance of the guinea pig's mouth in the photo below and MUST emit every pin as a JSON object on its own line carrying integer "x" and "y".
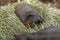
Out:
{"x": 37, "y": 22}
{"x": 29, "y": 23}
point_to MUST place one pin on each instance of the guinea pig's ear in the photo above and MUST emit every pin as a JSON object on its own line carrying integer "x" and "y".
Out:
{"x": 15, "y": 35}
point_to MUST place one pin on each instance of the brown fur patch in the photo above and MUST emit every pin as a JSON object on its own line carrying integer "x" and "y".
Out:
{"x": 29, "y": 24}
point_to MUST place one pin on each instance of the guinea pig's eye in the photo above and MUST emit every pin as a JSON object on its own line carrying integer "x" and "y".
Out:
{"x": 30, "y": 15}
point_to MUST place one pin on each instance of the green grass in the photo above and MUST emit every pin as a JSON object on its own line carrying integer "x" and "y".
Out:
{"x": 10, "y": 24}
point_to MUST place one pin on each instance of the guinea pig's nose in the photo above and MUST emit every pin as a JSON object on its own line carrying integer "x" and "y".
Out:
{"x": 37, "y": 22}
